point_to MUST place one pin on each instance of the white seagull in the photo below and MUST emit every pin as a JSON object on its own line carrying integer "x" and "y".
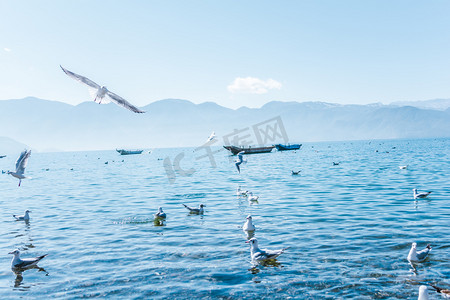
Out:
{"x": 444, "y": 292}
{"x": 259, "y": 255}
{"x": 21, "y": 163}
{"x": 403, "y": 167}
{"x": 197, "y": 211}
{"x": 101, "y": 92}
{"x": 416, "y": 256}
{"x": 248, "y": 225}
{"x": 211, "y": 137}
{"x": 240, "y": 160}
{"x": 251, "y": 197}
{"x": 240, "y": 192}
{"x": 17, "y": 262}
{"x": 423, "y": 293}
{"x": 420, "y": 195}
{"x": 160, "y": 214}
{"x": 25, "y": 217}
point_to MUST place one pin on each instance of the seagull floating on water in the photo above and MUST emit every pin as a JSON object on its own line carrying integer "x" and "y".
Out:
{"x": 251, "y": 197}
{"x": 296, "y": 173}
{"x": 17, "y": 262}
{"x": 420, "y": 195}
{"x": 101, "y": 92}
{"x": 160, "y": 214}
{"x": 240, "y": 192}
{"x": 423, "y": 293}
{"x": 248, "y": 225}
{"x": 444, "y": 292}
{"x": 416, "y": 256}
{"x": 25, "y": 217}
{"x": 403, "y": 167}
{"x": 197, "y": 211}
{"x": 259, "y": 255}
{"x": 21, "y": 163}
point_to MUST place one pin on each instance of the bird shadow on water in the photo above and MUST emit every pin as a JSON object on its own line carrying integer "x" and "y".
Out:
{"x": 257, "y": 266}
{"x": 19, "y": 277}
{"x": 159, "y": 222}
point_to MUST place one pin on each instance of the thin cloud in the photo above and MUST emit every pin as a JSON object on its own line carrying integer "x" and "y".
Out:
{"x": 252, "y": 85}
{"x": 7, "y": 49}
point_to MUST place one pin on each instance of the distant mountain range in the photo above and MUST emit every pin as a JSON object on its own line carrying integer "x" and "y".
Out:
{"x": 50, "y": 125}
{"x": 439, "y": 104}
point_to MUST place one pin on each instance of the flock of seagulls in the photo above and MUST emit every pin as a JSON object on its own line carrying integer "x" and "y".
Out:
{"x": 257, "y": 255}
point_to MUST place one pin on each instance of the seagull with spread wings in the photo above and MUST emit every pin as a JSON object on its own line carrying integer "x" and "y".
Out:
{"x": 21, "y": 163}
{"x": 101, "y": 92}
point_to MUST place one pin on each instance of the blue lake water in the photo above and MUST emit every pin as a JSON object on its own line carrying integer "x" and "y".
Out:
{"x": 349, "y": 227}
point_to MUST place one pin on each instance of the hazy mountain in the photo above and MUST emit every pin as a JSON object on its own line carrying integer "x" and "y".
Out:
{"x": 49, "y": 125}
{"x": 10, "y": 147}
{"x": 439, "y": 104}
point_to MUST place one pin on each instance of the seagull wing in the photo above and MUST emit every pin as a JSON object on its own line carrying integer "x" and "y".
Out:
{"x": 27, "y": 262}
{"x": 122, "y": 102}
{"x": 237, "y": 166}
{"x": 188, "y": 207}
{"x": 81, "y": 79}
{"x": 21, "y": 162}
{"x": 422, "y": 254}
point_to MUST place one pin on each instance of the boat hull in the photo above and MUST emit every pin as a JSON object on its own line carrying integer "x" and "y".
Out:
{"x": 249, "y": 150}
{"x": 281, "y": 147}
{"x": 128, "y": 152}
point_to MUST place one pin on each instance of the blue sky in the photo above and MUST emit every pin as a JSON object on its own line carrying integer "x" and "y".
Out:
{"x": 233, "y": 53}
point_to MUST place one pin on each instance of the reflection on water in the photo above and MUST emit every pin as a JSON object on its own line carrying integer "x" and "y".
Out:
{"x": 19, "y": 275}
{"x": 159, "y": 222}
{"x": 97, "y": 224}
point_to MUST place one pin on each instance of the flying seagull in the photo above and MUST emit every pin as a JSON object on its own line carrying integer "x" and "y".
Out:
{"x": 101, "y": 92}
{"x": 420, "y": 195}
{"x": 197, "y": 211}
{"x": 259, "y": 255}
{"x": 416, "y": 256}
{"x": 211, "y": 137}
{"x": 17, "y": 262}
{"x": 25, "y": 217}
{"x": 240, "y": 160}
{"x": 21, "y": 163}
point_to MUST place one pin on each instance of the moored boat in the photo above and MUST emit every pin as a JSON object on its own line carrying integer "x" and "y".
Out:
{"x": 282, "y": 147}
{"x": 249, "y": 150}
{"x": 128, "y": 152}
